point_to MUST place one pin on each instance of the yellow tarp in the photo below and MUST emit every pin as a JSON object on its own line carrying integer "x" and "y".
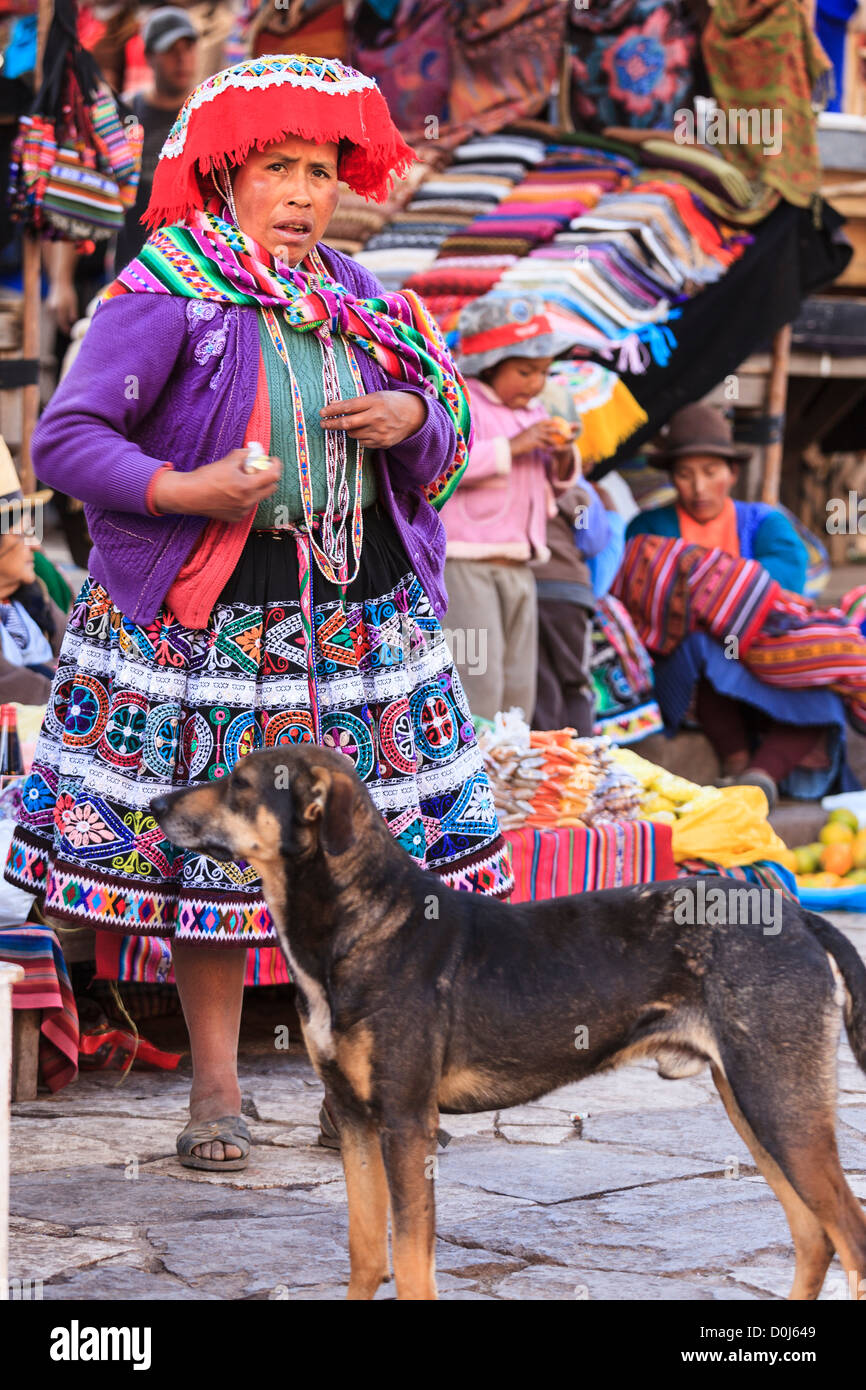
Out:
{"x": 731, "y": 829}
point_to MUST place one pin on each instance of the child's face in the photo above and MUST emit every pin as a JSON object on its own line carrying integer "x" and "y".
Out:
{"x": 518, "y": 379}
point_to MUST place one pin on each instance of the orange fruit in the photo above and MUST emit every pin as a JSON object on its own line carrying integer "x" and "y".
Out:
{"x": 837, "y": 859}
{"x": 562, "y": 427}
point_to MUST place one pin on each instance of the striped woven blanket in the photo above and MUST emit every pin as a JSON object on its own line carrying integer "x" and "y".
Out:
{"x": 553, "y": 863}
{"x": 46, "y": 986}
{"x": 671, "y": 589}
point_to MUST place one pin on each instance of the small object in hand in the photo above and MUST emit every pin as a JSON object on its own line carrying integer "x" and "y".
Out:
{"x": 563, "y": 428}
{"x": 256, "y": 461}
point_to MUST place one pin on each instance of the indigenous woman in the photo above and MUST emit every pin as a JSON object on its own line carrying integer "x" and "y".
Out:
{"x": 761, "y": 733}
{"x": 225, "y": 609}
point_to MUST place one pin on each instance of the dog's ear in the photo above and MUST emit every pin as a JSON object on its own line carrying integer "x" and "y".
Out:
{"x": 332, "y": 802}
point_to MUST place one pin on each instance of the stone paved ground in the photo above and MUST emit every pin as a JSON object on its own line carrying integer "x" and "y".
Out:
{"x": 651, "y": 1196}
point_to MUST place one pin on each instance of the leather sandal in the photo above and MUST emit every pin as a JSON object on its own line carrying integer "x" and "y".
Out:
{"x": 230, "y": 1129}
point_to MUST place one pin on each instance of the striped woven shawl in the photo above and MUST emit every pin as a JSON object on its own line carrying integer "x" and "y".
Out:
{"x": 209, "y": 258}
{"x": 671, "y": 588}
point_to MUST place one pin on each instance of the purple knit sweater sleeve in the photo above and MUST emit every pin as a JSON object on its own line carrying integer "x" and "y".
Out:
{"x": 425, "y": 454}
{"x": 81, "y": 444}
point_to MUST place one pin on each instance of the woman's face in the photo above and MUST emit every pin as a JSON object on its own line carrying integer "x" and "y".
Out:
{"x": 285, "y": 196}
{"x": 703, "y": 484}
{"x": 16, "y": 562}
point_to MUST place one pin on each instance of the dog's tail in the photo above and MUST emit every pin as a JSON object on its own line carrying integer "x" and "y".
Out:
{"x": 853, "y": 973}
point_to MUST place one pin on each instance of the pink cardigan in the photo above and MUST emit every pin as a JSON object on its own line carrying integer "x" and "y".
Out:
{"x": 501, "y": 508}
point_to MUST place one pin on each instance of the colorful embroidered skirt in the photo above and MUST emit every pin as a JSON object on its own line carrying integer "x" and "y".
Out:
{"x": 135, "y": 711}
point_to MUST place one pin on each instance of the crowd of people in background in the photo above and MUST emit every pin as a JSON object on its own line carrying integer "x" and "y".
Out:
{"x": 532, "y": 545}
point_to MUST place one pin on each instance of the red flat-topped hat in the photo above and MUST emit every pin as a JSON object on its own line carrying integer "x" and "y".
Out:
{"x": 262, "y": 100}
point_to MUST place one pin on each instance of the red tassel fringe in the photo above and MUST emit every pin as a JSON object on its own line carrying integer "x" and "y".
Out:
{"x": 223, "y": 131}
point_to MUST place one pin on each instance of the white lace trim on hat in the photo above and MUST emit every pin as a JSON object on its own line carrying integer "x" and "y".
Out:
{"x": 250, "y": 81}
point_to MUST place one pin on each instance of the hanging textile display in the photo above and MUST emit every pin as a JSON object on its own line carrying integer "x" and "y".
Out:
{"x": 505, "y": 61}
{"x": 299, "y": 26}
{"x": 75, "y": 162}
{"x": 627, "y": 62}
{"x": 764, "y": 60}
{"x": 406, "y": 47}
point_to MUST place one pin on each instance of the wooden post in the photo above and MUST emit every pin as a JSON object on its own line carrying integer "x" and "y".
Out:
{"x": 32, "y": 285}
{"x": 776, "y": 395}
{"x": 9, "y": 975}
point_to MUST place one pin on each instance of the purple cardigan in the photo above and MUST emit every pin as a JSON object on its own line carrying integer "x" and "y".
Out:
{"x": 160, "y": 378}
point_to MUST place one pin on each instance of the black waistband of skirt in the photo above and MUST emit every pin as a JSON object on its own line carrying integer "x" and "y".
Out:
{"x": 267, "y": 571}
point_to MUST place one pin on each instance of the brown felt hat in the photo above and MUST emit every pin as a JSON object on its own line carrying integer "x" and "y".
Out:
{"x": 698, "y": 429}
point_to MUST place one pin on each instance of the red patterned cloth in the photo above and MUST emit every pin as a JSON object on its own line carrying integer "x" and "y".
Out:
{"x": 147, "y": 960}
{"x": 46, "y": 986}
{"x": 671, "y": 588}
{"x": 554, "y": 863}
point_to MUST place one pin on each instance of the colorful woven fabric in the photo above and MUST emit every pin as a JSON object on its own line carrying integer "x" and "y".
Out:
{"x": 622, "y": 678}
{"x": 46, "y": 986}
{"x": 762, "y": 55}
{"x": 764, "y": 874}
{"x": 505, "y": 61}
{"x": 853, "y": 605}
{"x": 554, "y": 863}
{"x": 211, "y": 259}
{"x": 136, "y": 711}
{"x": 607, "y": 411}
{"x": 671, "y": 589}
{"x": 409, "y": 54}
{"x": 147, "y": 960}
{"x": 629, "y": 62}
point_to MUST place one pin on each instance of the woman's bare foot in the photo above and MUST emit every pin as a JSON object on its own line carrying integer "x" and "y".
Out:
{"x": 213, "y": 1105}
{"x": 211, "y": 985}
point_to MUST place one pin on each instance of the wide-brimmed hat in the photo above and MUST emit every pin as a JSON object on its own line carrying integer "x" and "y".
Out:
{"x": 259, "y": 102}
{"x": 697, "y": 429}
{"x": 495, "y": 327}
{"x": 18, "y": 510}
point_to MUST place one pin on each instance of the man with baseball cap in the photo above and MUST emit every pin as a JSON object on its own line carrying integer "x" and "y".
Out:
{"x": 171, "y": 48}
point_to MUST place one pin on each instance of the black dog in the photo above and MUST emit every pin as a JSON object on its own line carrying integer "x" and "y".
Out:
{"x": 416, "y": 998}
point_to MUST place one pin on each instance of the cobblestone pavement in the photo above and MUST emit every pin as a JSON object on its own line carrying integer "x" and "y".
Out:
{"x": 650, "y": 1195}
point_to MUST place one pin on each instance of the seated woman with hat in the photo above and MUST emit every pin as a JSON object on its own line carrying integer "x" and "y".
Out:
{"x": 762, "y": 734}
{"x": 31, "y": 622}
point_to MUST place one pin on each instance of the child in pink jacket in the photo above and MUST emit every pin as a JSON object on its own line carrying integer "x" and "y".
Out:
{"x": 496, "y": 522}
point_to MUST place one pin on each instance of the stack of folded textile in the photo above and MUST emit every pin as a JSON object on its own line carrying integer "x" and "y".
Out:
{"x": 479, "y": 179}
{"x": 356, "y": 219}
{"x": 641, "y": 246}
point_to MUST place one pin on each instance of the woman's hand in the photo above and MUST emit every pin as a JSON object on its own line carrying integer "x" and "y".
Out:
{"x": 379, "y": 420}
{"x": 542, "y": 435}
{"x": 220, "y": 490}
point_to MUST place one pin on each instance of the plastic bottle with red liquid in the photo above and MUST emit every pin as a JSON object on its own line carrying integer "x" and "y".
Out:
{"x": 11, "y": 763}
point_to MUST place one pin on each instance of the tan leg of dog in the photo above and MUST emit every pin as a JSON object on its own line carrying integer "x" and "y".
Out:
{"x": 367, "y": 1193}
{"x": 812, "y": 1247}
{"x": 826, "y": 1190}
{"x": 410, "y": 1162}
